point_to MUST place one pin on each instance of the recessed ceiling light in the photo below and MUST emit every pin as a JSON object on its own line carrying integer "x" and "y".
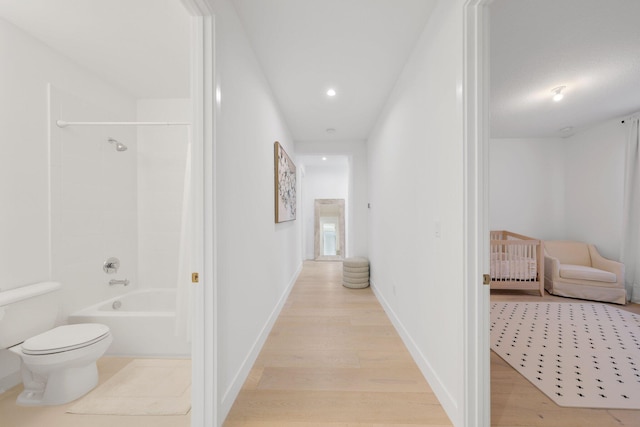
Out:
{"x": 324, "y": 158}
{"x": 331, "y": 92}
{"x": 331, "y": 130}
{"x": 557, "y": 93}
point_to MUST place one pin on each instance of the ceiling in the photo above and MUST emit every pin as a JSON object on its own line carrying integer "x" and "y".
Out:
{"x": 141, "y": 46}
{"x": 590, "y": 46}
{"x": 359, "y": 47}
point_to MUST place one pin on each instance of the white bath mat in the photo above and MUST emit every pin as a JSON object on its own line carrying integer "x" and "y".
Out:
{"x": 580, "y": 355}
{"x": 143, "y": 387}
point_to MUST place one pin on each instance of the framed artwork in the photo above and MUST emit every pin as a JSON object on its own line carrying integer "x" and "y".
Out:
{"x": 285, "y": 185}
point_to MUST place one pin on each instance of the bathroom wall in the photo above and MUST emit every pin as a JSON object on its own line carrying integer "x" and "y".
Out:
{"x": 162, "y": 153}
{"x": 93, "y": 202}
{"x": 26, "y": 225}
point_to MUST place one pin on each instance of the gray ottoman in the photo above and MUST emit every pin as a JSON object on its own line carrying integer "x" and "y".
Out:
{"x": 355, "y": 272}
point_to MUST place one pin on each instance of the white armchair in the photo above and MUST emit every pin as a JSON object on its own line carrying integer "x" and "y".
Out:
{"x": 577, "y": 270}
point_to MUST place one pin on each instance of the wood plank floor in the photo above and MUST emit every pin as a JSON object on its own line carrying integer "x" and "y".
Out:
{"x": 333, "y": 358}
{"x": 517, "y": 402}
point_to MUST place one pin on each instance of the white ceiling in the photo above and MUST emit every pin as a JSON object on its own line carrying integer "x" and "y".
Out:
{"x": 358, "y": 47}
{"x": 141, "y": 46}
{"x": 590, "y": 46}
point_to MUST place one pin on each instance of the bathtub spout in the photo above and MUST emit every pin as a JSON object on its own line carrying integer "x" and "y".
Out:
{"x": 119, "y": 282}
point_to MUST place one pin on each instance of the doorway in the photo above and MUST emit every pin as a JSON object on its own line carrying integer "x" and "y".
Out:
{"x": 329, "y": 229}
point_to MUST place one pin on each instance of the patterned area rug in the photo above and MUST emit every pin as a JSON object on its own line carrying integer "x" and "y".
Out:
{"x": 580, "y": 355}
{"x": 143, "y": 387}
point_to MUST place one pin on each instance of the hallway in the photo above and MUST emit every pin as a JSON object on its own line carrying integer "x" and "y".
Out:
{"x": 333, "y": 358}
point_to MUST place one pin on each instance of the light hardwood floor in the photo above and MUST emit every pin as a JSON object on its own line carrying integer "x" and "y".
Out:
{"x": 12, "y": 415}
{"x": 333, "y": 358}
{"x": 517, "y": 402}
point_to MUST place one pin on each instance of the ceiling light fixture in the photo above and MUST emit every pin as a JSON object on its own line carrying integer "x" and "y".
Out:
{"x": 324, "y": 158}
{"x": 331, "y": 131}
{"x": 557, "y": 93}
{"x": 331, "y": 92}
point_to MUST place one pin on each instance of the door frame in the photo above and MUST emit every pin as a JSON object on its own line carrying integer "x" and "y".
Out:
{"x": 477, "y": 376}
{"x": 476, "y": 189}
{"x": 204, "y": 373}
{"x": 317, "y": 205}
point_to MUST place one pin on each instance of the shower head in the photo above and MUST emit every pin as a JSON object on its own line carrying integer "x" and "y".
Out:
{"x": 119, "y": 146}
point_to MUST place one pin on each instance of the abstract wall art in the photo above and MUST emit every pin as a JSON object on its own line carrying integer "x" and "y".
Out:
{"x": 285, "y": 185}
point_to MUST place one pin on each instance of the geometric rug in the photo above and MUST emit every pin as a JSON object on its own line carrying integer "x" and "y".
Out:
{"x": 579, "y": 355}
{"x": 142, "y": 387}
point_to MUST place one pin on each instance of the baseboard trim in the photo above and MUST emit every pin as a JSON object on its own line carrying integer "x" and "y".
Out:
{"x": 233, "y": 390}
{"x": 449, "y": 404}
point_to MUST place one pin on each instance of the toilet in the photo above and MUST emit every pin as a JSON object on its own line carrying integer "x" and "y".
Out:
{"x": 58, "y": 363}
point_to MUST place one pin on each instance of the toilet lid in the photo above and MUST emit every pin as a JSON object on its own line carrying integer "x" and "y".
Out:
{"x": 65, "y": 338}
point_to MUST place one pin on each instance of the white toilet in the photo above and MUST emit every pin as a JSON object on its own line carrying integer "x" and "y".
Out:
{"x": 59, "y": 364}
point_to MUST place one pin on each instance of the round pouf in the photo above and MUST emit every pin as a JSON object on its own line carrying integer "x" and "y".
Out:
{"x": 355, "y": 272}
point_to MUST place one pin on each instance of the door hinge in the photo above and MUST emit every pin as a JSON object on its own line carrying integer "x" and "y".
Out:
{"x": 195, "y": 277}
{"x": 486, "y": 279}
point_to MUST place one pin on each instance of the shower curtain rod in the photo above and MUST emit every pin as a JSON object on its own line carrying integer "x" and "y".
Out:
{"x": 64, "y": 124}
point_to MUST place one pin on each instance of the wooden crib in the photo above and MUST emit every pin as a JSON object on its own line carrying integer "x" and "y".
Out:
{"x": 517, "y": 262}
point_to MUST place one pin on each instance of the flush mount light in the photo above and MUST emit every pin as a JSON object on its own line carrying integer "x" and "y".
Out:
{"x": 557, "y": 93}
{"x": 331, "y": 92}
{"x": 324, "y": 158}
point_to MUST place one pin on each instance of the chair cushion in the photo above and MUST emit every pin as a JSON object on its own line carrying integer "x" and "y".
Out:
{"x": 568, "y": 252}
{"x": 581, "y": 272}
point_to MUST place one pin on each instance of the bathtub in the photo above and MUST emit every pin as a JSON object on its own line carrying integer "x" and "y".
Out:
{"x": 142, "y": 323}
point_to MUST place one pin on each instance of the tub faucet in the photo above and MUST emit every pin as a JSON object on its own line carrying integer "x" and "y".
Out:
{"x": 119, "y": 282}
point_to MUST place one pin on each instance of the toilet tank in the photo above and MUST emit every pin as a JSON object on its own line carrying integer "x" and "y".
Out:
{"x": 27, "y": 311}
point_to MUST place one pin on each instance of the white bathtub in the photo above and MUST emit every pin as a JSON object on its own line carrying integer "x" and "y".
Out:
{"x": 143, "y": 325}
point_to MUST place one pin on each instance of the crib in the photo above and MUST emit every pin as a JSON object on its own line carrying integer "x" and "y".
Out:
{"x": 517, "y": 262}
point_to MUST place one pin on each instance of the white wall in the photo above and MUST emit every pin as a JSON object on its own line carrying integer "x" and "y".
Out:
{"x": 416, "y": 169}
{"x": 357, "y": 214}
{"x": 93, "y": 201}
{"x": 27, "y": 67}
{"x": 527, "y": 187}
{"x": 162, "y": 155}
{"x": 594, "y": 162}
{"x": 257, "y": 260}
{"x": 574, "y": 186}
{"x": 322, "y": 182}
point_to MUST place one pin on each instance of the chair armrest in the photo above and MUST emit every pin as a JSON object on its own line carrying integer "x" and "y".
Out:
{"x": 551, "y": 267}
{"x": 602, "y": 263}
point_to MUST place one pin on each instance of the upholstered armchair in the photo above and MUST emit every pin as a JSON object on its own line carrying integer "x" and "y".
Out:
{"x": 577, "y": 270}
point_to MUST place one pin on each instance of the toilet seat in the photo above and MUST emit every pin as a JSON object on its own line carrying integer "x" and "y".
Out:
{"x": 65, "y": 338}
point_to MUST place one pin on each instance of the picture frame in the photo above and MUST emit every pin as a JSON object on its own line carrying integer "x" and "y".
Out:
{"x": 285, "y": 185}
